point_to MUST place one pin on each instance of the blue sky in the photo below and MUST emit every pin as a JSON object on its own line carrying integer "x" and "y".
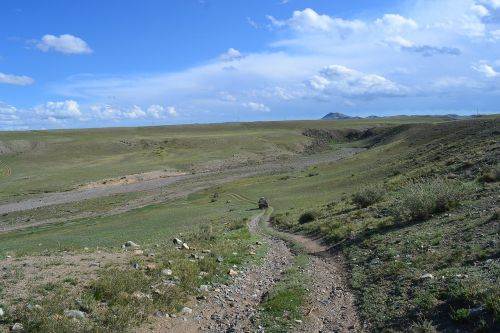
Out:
{"x": 124, "y": 63}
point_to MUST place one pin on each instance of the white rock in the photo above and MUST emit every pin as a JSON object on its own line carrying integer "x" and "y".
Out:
{"x": 2, "y": 313}
{"x": 166, "y": 271}
{"x": 18, "y": 327}
{"x": 177, "y": 241}
{"x": 184, "y": 246}
{"x": 74, "y": 314}
{"x": 204, "y": 288}
{"x": 187, "y": 310}
{"x": 131, "y": 244}
{"x": 427, "y": 276}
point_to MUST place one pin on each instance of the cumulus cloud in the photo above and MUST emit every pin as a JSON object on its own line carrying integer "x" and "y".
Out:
{"x": 343, "y": 81}
{"x": 66, "y": 43}
{"x": 396, "y": 22}
{"x": 8, "y": 114}
{"x": 308, "y": 20}
{"x": 231, "y": 55}
{"x": 19, "y": 80}
{"x": 480, "y": 10}
{"x": 256, "y": 106}
{"x": 495, "y": 4}
{"x": 59, "y": 110}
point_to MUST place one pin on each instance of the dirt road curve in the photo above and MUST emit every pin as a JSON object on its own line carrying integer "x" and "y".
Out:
{"x": 233, "y": 308}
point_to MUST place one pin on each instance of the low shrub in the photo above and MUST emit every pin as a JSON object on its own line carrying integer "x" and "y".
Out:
{"x": 417, "y": 201}
{"x": 308, "y": 216}
{"x": 368, "y": 196}
{"x": 490, "y": 175}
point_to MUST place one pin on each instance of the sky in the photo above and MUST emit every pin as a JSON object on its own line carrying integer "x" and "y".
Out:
{"x": 94, "y": 63}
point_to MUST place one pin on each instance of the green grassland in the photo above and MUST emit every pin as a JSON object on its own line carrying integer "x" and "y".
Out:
{"x": 47, "y": 161}
{"x": 387, "y": 252}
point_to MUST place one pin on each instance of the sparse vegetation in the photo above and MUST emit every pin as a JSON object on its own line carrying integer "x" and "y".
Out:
{"x": 368, "y": 196}
{"x": 308, "y": 216}
{"x": 417, "y": 201}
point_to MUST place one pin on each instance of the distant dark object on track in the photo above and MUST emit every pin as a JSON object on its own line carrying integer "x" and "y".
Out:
{"x": 263, "y": 204}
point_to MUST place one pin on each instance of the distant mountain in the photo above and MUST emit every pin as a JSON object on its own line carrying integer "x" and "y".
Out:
{"x": 338, "y": 116}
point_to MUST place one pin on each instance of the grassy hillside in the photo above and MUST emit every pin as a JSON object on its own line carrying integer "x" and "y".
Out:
{"x": 47, "y": 161}
{"x": 422, "y": 200}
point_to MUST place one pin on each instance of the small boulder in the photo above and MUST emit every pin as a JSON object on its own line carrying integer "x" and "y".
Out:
{"x": 177, "y": 241}
{"x": 232, "y": 272}
{"x": 206, "y": 251}
{"x": 138, "y": 252}
{"x": 77, "y": 314}
{"x": 204, "y": 288}
{"x": 166, "y": 271}
{"x": 184, "y": 246}
{"x": 220, "y": 259}
{"x": 427, "y": 276}
{"x": 2, "y": 313}
{"x": 17, "y": 327}
{"x": 186, "y": 310}
{"x": 131, "y": 244}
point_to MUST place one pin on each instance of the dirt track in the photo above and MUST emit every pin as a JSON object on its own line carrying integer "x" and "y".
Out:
{"x": 235, "y": 307}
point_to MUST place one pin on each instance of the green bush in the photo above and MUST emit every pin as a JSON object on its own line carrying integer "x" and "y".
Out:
{"x": 460, "y": 315}
{"x": 308, "y": 216}
{"x": 491, "y": 175}
{"x": 368, "y": 196}
{"x": 417, "y": 201}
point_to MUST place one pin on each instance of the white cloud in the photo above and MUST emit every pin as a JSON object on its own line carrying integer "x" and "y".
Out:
{"x": 66, "y": 43}
{"x": 256, "y": 106}
{"x": 343, "y": 81}
{"x": 231, "y": 55}
{"x": 134, "y": 112}
{"x": 59, "y": 110}
{"x": 172, "y": 111}
{"x": 20, "y": 80}
{"x": 487, "y": 70}
{"x": 495, "y": 4}
{"x": 480, "y": 10}
{"x": 308, "y": 20}
{"x": 396, "y": 22}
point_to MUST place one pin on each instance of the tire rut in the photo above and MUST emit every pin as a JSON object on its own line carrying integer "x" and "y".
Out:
{"x": 234, "y": 307}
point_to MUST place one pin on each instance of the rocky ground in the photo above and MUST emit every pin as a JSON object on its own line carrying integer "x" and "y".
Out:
{"x": 235, "y": 307}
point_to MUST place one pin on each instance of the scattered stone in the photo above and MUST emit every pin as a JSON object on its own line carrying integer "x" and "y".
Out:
{"x": 186, "y": 310}
{"x": 166, "y": 272}
{"x": 74, "y": 314}
{"x": 177, "y": 241}
{"x": 206, "y": 251}
{"x": 136, "y": 266}
{"x": 232, "y": 272}
{"x": 18, "y": 327}
{"x": 204, "y": 288}
{"x": 220, "y": 259}
{"x": 160, "y": 314}
{"x": 150, "y": 267}
{"x": 258, "y": 243}
{"x": 131, "y": 244}
{"x": 2, "y": 313}
{"x": 203, "y": 274}
{"x": 194, "y": 256}
{"x": 298, "y": 321}
{"x": 138, "y": 252}
{"x": 427, "y": 276}
{"x": 184, "y": 246}
{"x": 252, "y": 253}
